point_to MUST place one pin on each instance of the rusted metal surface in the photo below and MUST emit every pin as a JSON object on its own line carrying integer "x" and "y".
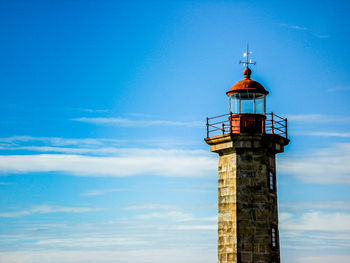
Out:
{"x": 247, "y": 123}
{"x": 247, "y": 85}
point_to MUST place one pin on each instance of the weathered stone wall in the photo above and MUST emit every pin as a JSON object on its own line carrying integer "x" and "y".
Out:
{"x": 227, "y": 235}
{"x": 247, "y": 208}
{"x": 256, "y": 206}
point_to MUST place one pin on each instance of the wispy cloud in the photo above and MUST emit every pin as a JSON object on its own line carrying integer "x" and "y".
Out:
{"x": 317, "y": 230}
{"x": 46, "y": 144}
{"x": 95, "y": 110}
{"x": 295, "y": 27}
{"x": 124, "y": 122}
{"x": 176, "y": 216}
{"x": 329, "y": 206}
{"x": 101, "y": 192}
{"x": 138, "y": 114}
{"x": 94, "y": 151}
{"x": 85, "y": 151}
{"x": 159, "y": 162}
{"x": 96, "y": 157}
{"x": 318, "y": 118}
{"x": 131, "y": 239}
{"x": 305, "y": 29}
{"x": 151, "y": 207}
{"x": 324, "y": 259}
{"x": 316, "y": 221}
{"x": 46, "y": 209}
{"x": 88, "y": 242}
{"x": 146, "y": 255}
{"x": 323, "y": 166}
{"x": 305, "y": 124}
{"x": 58, "y": 141}
{"x": 324, "y": 134}
{"x": 197, "y": 227}
{"x": 171, "y": 215}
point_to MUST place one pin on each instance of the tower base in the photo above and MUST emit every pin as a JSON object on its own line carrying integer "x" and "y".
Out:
{"x": 247, "y": 198}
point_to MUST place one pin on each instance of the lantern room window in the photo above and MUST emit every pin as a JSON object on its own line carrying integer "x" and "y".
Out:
{"x": 272, "y": 181}
{"x": 248, "y": 103}
{"x": 274, "y": 236}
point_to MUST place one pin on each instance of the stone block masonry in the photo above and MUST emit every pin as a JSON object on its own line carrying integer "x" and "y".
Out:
{"x": 247, "y": 210}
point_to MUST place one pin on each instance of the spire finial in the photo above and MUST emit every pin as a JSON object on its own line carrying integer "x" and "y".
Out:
{"x": 246, "y": 63}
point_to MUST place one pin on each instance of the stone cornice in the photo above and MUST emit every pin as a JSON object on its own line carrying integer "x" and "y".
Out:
{"x": 233, "y": 142}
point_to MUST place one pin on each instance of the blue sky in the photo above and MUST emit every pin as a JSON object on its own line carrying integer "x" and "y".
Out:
{"x": 103, "y": 109}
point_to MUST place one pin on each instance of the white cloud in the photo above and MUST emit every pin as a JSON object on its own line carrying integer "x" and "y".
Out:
{"x": 94, "y": 110}
{"x": 295, "y": 27}
{"x": 315, "y": 205}
{"x": 197, "y": 227}
{"x": 169, "y": 216}
{"x": 176, "y": 216}
{"x": 138, "y": 123}
{"x": 317, "y": 230}
{"x": 316, "y": 221}
{"x": 318, "y": 118}
{"x": 324, "y": 259}
{"x": 302, "y": 28}
{"x": 131, "y": 162}
{"x": 82, "y": 145}
{"x": 150, "y": 207}
{"x": 94, "y": 151}
{"x": 58, "y": 141}
{"x": 46, "y": 209}
{"x": 127, "y": 240}
{"x": 137, "y": 114}
{"x": 149, "y": 255}
{"x": 82, "y": 242}
{"x": 324, "y": 134}
{"x": 324, "y": 166}
{"x": 101, "y": 192}
{"x": 90, "y": 157}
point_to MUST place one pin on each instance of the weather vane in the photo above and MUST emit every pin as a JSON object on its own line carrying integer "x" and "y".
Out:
{"x": 249, "y": 61}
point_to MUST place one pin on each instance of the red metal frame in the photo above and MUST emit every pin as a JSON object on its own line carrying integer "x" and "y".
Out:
{"x": 226, "y": 124}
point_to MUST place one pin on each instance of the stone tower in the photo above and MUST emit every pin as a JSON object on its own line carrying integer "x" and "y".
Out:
{"x": 247, "y": 140}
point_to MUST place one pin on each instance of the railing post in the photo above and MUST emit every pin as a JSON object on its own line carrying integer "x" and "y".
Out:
{"x": 263, "y": 126}
{"x": 286, "y": 128}
{"x": 230, "y": 121}
{"x": 272, "y": 129}
{"x": 207, "y": 127}
{"x": 223, "y": 128}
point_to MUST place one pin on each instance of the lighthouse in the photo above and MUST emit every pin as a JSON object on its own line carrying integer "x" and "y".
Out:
{"x": 247, "y": 140}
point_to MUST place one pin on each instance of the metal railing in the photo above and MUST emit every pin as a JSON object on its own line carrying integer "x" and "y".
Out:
{"x": 276, "y": 125}
{"x": 227, "y": 124}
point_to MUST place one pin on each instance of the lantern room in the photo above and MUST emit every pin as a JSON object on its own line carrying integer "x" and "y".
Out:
{"x": 247, "y": 96}
{"x": 247, "y": 100}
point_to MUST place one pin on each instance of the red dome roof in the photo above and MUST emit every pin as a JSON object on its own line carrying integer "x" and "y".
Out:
{"x": 247, "y": 85}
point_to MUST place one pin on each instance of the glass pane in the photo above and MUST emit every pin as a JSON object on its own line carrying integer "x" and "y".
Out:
{"x": 259, "y": 96}
{"x": 235, "y": 103}
{"x": 271, "y": 181}
{"x": 259, "y": 105}
{"x": 247, "y": 106}
{"x": 247, "y": 96}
